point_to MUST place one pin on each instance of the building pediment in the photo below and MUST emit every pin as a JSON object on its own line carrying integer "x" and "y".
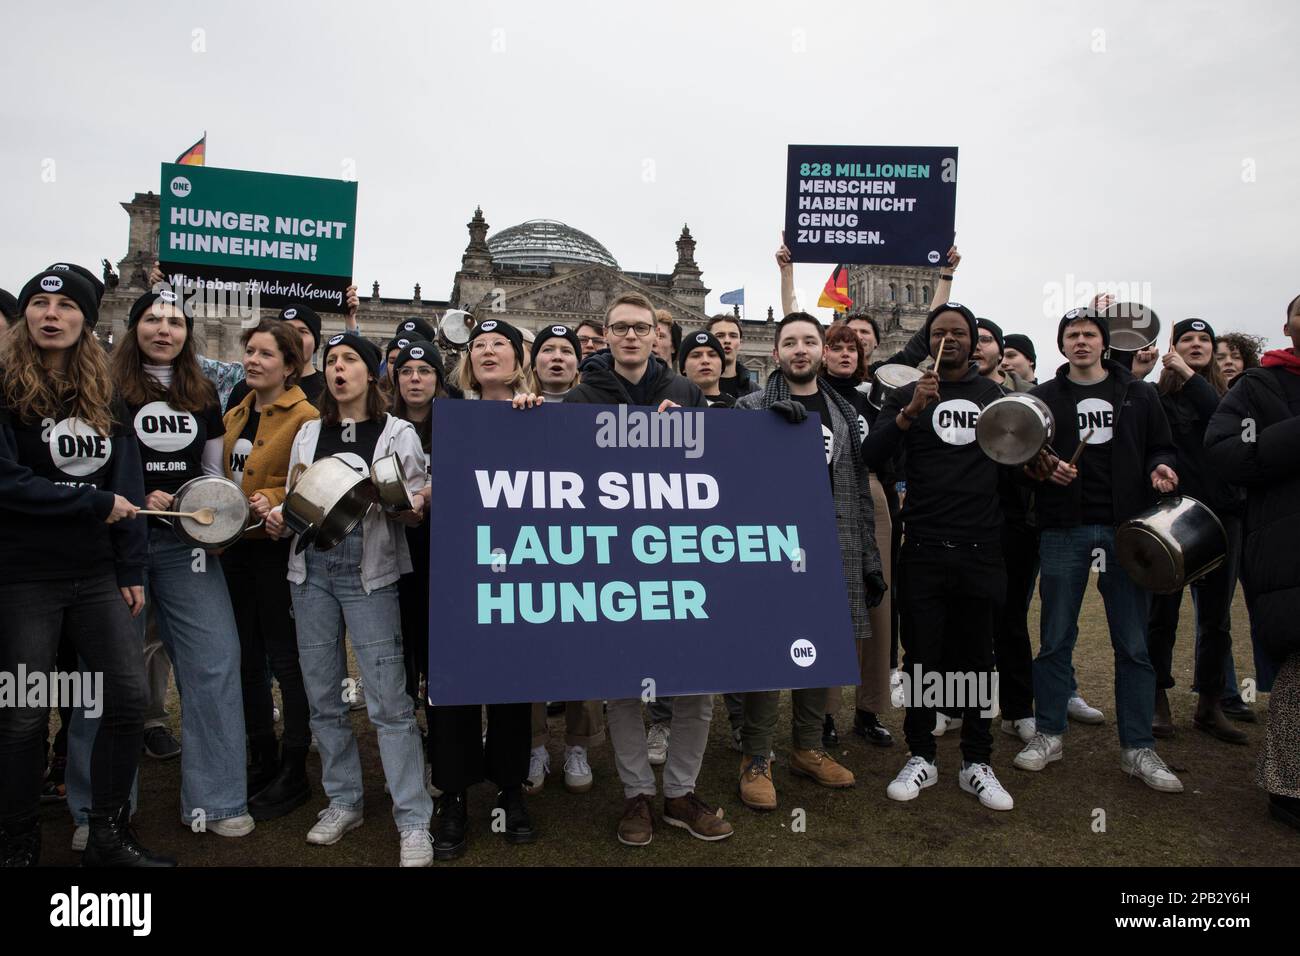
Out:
{"x": 586, "y": 291}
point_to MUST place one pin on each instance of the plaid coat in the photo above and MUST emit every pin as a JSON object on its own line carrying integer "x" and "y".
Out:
{"x": 855, "y": 519}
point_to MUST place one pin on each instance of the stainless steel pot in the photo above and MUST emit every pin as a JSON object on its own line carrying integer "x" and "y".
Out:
{"x": 231, "y": 514}
{"x": 1012, "y": 430}
{"x": 390, "y": 484}
{"x": 326, "y": 502}
{"x": 454, "y": 327}
{"x": 1132, "y": 326}
{"x": 888, "y": 379}
{"x": 1171, "y": 545}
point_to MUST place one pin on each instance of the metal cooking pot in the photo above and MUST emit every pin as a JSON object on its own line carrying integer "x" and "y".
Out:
{"x": 454, "y": 327}
{"x": 1012, "y": 430}
{"x": 326, "y": 502}
{"x": 889, "y": 378}
{"x": 1133, "y": 326}
{"x": 390, "y": 484}
{"x": 231, "y": 514}
{"x": 1171, "y": 545}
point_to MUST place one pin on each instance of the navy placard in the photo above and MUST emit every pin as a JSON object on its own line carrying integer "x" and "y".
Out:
{"x": 679, "y": 573}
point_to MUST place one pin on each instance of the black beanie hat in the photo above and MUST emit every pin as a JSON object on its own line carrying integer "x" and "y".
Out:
{"x": 91, "y": 279}
{"x": 367, "y": 349}
{"x": 993, "y": 329}
{"x": 1192, "y": 325}
{"x": 402, "y": 341}
{"x": 414, "y": 328}
{"x": 1022, "y": 344}
{"x": 699, "y": 340}
{"x": 555, "y": 332}
{"x": 143, "y": 304}
{"x": 307, "y": 316}
{"x": 502, "y": 327}
{"x": 1075, "y": 315}
{"x": 64, "y": 282}
{"x": 422, "y": 351}
{"x": 961, "y": 310}
{"x": 8, "y": 305}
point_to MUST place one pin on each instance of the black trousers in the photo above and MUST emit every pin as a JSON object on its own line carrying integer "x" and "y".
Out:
{"x": 948, "y": 600}
{"x": 460, "y": 758}
{"x": 259, "y": 595}
{"x": 1212, "y": 596}
{"x": 1011, "y": 647}
{"x": 91, "y": 614}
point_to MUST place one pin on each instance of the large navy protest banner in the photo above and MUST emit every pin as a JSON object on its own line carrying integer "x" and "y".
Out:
{"x": 884, "y": 205}
{"x": 583, "y": 552}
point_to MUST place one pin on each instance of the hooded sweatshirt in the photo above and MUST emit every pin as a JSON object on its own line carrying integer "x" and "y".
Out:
{"x": 601, "y": 385}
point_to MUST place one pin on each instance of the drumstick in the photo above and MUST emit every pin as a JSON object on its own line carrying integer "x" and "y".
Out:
{"x": 1083, "y": 443}
{"x": 202, "y": 516}
{"x": 942, "y": 343}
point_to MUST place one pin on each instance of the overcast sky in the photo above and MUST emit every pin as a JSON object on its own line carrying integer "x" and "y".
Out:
{"x": 1152, "y": 144}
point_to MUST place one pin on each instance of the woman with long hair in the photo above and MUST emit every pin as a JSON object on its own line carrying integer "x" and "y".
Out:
{"x": 178, "y": 425}
{"x": 71, "y": 560}
{"x": 1234, "y": 352}
{"x": 352, "y": 589}
{"x": 255, "y": 454}
{"x": 1190, "y": 387}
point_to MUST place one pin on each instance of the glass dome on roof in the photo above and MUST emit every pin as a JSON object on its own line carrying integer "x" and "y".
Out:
{"x": 540, "y": 242}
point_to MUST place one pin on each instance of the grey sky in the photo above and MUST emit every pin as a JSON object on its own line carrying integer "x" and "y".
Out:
{"x": 1117, "y": 166}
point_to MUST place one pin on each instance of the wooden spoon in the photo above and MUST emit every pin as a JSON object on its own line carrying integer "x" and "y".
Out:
{"x": 204, "y": 516}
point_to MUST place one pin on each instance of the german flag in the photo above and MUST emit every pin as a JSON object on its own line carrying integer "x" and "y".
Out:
{"x": 836, "y": 293}
{"x": 195, "y": 155}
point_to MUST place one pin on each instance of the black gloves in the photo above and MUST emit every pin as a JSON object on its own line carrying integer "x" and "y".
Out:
{"x": 876, "y": 588}
{"x": 792, "y": 411}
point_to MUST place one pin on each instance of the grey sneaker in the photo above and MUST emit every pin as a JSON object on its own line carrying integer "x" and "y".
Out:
{"x": 656, "y": 743}
{"x": 1041, "y": 750}
{"x": 1145, "y": 763}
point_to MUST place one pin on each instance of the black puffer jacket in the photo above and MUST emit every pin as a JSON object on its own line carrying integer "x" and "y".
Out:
{"x": 1253, "y": 440}
{"x": 601, "y": 386}
{"x": 1189, "y": 410}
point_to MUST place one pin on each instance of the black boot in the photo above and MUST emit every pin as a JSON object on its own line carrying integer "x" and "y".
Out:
{"x": 113, "y": 843}
{"x": 868, "y": 726}
{"x": 265, "y": 763}
{"x": 287, "y": 792}
{"x": 20, "y": 843}
{"x": 519, "y": 827}
{"x": 452, "y": 820}
{"x": 830, "y": 736}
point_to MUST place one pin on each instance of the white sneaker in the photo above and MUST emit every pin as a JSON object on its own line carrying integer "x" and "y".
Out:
{"x": 1145, "y": 763}
{"x": 539, "y": 765}
{"x": 80, "y": 837}
{"x": 656, "y": 743}
{"x": 359, "y": 701}
{"x": 231, "y": 826}
{"x": 429, "y": 788}
{"x": 1024, "y": 728}
{"x": 979, "y": 779}
{"x": 333, "y": 823}
{"x": 917, "y": 774}
{"x": 943, "y": 723}
{"x": 1041, "y": 750}
{"x": 897, "y": 697}
{"x": 577, "y": 772}
{"x": 417, "y": 848}
{"x": 1080, "y": 710}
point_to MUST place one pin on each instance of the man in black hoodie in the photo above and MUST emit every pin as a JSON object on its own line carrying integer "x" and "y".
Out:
{"x": 1129, "y": 455}
{"x": 950, "y": 569}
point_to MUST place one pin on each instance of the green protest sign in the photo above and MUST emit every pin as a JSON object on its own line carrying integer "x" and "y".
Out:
{"x": 282, "y": 238}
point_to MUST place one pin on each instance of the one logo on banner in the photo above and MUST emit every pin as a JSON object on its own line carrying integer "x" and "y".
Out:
{"x": 164, "y": 429}
{"x": 933, "y": 256}
{"x": 955, "y": 420}
{"x": 417, "y": 353}
{"x": 180, "y": 187}
{"x": 51, "y": 283}
{"x": 354, "y": 461}
{"x": 1097, "y": 415}
{"x": 239, "y": 457}
{"x": 77, "y": 449}
{"x": 803, "y": 653}
{"x": 559, "y": 330}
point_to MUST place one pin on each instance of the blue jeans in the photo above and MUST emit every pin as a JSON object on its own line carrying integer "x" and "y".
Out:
{"x": 331, "y": 599}
{"x": 1068, "y": 556}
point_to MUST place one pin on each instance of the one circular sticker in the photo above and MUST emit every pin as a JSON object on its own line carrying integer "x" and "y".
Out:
{"x": 1198, "y": 326}
{"x": 336, "y": 339}
{"x": 803, "y": 653}
{"x": 933, "y": 256}
{"x": 1098, "y": 416}
{"x": 51, "y": 283}
{"x": 955, "y": 420}
{"x": 403, "y": 343}
{"x": 408, "y": 326}
{"x": 489, "y": 325}
{"x": 417, "y": 353}
{"x": 559, "y": 330}
{"x": 77, "y": 449}
{"x": 702, "y": 337}
{"x": 290, "y": 314}
{"x": 164, "y": 429}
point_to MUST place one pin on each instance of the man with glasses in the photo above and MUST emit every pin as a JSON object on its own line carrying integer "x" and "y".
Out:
{"x": 591, "y": 337}
{"x": 629, "y": 374}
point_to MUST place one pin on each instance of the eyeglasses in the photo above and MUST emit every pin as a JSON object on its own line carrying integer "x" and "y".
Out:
{"x": 621, "y": 329}
{"x": 416, "y": 371}
{"x": 590, "y": 340}
{"x": 487, "y": 345}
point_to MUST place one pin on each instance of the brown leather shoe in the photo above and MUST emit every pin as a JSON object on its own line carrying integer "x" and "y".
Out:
{"x": 820, "y": 766}
{"x": 637, "y": 828}
{"x": 1162, "y": 724}
{"x": 697, "y": 817}
{"x": 756, "y": 789}
{"x": 1211, "y": 719}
